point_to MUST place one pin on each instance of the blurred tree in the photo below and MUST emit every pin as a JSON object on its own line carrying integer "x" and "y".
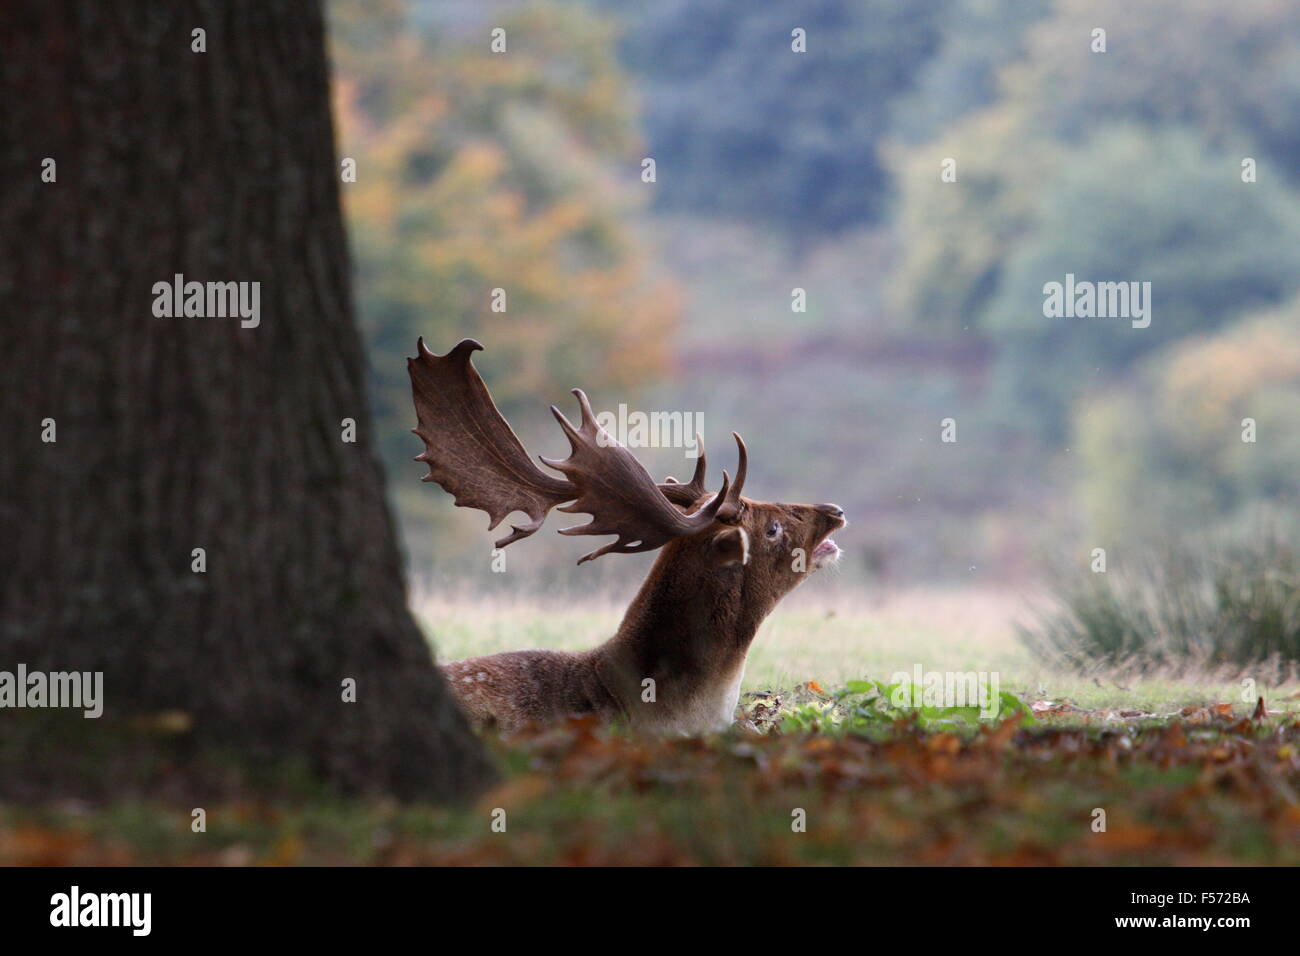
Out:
{"x": 743, "y": 127}
{"x": 979, "y": 38}
{"x": 1058, "y": 98}
{"x": 1231, "y": 71}
{"x": 1117, "y": 165}
{"x": 480, "y": 171}
{"x": 956, "y": 236}
{"x": 1120, "y": 210}
{"x": 1169, "y": 451}
{"x": 175, "y": 434}
{"x": 1124, "y": 165}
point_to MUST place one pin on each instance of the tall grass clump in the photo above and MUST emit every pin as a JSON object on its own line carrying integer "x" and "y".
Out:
{"x": 1184, "y": 607}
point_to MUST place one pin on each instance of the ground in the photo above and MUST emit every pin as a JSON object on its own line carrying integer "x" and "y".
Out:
{"x": 834, "y": 640}
{"x": 1103, "y": 768}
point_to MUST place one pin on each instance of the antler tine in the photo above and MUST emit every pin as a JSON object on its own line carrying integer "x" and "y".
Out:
{"x": 716, "y": 502}
{"x": 687, "y": 494}
{"x": 587, "y": 424}
{"x": 730, "y": 508}
{"x": 619, "y": 493}
{"x": 697, "y": 479}
{"x": 710, "y": 510}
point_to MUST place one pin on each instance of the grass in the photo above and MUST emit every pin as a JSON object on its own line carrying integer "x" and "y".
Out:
{"x": 1205, "y": 787}
{"x": 1221, "y": 793}
{"x": 846, "y": 638}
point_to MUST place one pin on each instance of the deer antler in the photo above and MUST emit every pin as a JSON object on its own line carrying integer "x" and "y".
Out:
{"x": 731, "y": 505}
{"x": 619, "y": 493}
{"x": 474, "y": 454}
{"x": 471, "y": 451}
{"x": 689, "y": 493}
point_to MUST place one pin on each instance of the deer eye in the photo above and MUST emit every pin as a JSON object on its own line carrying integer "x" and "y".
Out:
{"x": 774, "y": 529}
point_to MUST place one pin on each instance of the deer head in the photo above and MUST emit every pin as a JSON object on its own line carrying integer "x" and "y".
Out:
{"x": 725, "y": 562}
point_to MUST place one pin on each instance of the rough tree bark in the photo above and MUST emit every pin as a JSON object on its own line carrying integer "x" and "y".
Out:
{"x": 183, "y": 433}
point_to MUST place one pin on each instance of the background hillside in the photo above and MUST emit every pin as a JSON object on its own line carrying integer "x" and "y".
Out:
{"x": 1172, "y": 157}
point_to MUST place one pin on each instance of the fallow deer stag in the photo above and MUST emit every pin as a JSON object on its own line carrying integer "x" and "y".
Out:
{"x": 676, "y": 663}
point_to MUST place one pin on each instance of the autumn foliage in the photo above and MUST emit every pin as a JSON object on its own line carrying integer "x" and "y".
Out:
{"x": 1210, "y": 785}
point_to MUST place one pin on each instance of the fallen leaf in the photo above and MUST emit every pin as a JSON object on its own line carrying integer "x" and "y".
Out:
{"x": 518, "y": 792}
{"x": 1050, "y": 707}
{"x": 948, "y": 744}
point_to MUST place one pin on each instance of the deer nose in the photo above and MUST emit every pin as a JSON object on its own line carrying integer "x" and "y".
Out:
{"x": 835, "y": 511}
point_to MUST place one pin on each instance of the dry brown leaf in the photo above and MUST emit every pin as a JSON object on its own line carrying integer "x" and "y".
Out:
{"x": 948, "y": 744}
{"x": 517, "y": 792}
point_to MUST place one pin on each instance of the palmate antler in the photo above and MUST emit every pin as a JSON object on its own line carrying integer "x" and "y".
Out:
{"x": 471, "y": 451}
{"x": 474, "y": 454}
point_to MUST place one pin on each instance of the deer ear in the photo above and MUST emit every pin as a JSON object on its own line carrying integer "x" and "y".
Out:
{"x": 730, "y": 547}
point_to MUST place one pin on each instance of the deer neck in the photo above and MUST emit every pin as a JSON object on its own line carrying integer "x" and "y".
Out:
{"x": 689, "y": 633}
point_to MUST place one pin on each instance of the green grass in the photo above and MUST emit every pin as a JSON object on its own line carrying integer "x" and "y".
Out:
{"x": 839, "y": 639}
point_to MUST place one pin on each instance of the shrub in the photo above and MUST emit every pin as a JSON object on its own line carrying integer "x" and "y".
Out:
{"x": 1228, "y": 605}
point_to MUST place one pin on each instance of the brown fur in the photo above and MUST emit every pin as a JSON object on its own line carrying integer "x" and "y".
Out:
{"x": 688, "y": 629}
{"x": 676, "y": 663}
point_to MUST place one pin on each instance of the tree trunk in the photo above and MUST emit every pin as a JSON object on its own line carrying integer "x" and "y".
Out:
{"x": 179, "y": 433}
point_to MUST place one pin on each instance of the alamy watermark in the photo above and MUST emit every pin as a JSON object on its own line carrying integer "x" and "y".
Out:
{"x": 75, "y": 908}
{"x": 922, "y": 688}
{"x": 209, "y": 300}
{"x": 77, "y": 689}
{"x": 1098, "y": 300}
{"x": 635, "y": 429}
